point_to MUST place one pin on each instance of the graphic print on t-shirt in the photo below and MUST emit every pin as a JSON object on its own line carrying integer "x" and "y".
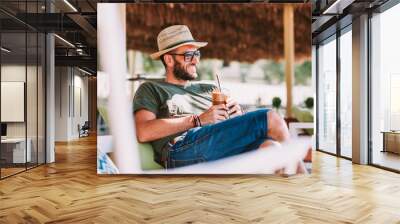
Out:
{"x": 179, "y": 105}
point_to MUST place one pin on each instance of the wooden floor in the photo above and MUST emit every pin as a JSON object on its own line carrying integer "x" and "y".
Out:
{"x": 69, "y": 191}
{"x": 10, "y": 171}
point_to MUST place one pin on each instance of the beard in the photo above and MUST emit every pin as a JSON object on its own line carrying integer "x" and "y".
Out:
{"x": 181, "y": 73}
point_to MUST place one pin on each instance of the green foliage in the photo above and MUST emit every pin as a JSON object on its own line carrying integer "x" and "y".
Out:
{"x": 276, "y": 102}
{"x": 273, "y": 72}
{"x": 151, "y": 66}
{"x": 309, "y": 102}
{"x": 302, "y": 73}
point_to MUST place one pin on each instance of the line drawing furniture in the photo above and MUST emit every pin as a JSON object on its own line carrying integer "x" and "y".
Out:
{"x": 13, "y": 150}
{"x": 391, "y": 141}
{"x": 294, "y": 127}
{"x": 84, "y": 129}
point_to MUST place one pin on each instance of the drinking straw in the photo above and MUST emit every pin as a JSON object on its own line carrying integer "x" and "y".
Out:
{"x": 219, "y": 85}
{"x": 220, "y": 90}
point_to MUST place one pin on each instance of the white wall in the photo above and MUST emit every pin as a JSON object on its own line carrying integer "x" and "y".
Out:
{"x": 71, "y": 94}
{"x": 80, "y": 104}
{"x": 12, "y": 73}
{"x": 62, "y": 82}
{"x": 33, "y": 126}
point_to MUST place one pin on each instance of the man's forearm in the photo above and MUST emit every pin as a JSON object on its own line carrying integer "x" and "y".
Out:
{"x": 155, "y": 129}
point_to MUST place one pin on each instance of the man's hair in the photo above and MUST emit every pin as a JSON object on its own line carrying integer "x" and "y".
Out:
{"x": 163, "y": 61}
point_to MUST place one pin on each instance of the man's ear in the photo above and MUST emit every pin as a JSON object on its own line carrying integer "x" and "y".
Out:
{"x": 169, "y": 61}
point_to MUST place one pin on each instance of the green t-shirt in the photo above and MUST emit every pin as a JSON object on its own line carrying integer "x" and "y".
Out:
{"x": 168, "y": 100}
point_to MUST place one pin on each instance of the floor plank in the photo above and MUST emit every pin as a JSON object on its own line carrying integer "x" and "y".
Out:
{"x": 70, "y": 191}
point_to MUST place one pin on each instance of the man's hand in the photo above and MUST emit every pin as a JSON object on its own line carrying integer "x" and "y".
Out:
{"x": 233, "y": 108}
{"x": 214, "y": 114}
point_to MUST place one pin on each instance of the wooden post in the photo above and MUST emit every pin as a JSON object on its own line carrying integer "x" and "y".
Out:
{"x": 131, "y": 70}
{"x": 111, "y": 29}
{"x": 288, "y": 30}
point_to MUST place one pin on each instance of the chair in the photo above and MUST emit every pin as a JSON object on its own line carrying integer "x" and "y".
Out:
{"x": 146, "y": 151}
{"x": 84, "y": 130}
{"x": 302, "y": 125}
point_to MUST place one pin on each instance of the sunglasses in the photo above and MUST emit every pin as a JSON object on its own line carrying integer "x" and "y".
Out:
{"x": 189, "y": 55}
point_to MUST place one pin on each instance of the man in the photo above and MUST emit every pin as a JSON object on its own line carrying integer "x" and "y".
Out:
{"x": 178, "y": 118}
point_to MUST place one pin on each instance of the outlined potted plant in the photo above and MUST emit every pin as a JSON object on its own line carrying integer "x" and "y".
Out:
{"x": 309, "y": 103}
{"x": 276, "y": 103}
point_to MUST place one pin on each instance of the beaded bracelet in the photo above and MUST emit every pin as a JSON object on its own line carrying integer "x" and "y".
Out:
{"x": 196, "y": 121}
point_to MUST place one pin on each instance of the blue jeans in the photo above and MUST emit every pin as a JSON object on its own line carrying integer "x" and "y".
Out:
{"x": 211, "y": 142}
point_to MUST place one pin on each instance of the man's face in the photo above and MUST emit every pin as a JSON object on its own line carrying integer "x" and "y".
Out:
{"x": 185, "y": 69}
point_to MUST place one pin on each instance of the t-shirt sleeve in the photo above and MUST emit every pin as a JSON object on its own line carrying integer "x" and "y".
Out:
{"x": 146, "y": 98}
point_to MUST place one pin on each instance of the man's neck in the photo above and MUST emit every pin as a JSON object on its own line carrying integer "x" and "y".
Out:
{"x": 170, "y": 78}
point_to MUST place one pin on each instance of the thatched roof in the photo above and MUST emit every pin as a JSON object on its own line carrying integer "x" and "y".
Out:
{"x": 243, "y": 32}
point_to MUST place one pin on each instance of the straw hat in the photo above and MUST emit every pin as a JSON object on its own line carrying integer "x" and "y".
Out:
{"x": 173, "y": 37}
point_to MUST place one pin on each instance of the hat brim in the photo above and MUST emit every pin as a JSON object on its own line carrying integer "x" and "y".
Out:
{"x": 157, "y": 55}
